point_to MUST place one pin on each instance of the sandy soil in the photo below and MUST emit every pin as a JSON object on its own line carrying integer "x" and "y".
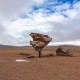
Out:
{"x": 45, "y": 68}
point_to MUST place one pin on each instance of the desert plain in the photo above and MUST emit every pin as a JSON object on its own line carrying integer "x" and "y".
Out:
{"x": 44, "y": 68}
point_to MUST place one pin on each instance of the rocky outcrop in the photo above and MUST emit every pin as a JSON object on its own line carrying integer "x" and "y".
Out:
{"x": 39, "y": 42}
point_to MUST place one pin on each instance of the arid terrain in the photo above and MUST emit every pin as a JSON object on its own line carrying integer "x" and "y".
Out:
{"x": 44, "y": 68}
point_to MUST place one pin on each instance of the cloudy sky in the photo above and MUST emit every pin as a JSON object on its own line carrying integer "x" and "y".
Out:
{"x": 60, "y": 19}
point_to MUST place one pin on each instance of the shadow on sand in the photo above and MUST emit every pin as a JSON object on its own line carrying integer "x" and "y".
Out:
{"x": 28, "y": 55}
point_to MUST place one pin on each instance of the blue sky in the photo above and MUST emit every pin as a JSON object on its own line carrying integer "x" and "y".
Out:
{"x": 60, "y": 19}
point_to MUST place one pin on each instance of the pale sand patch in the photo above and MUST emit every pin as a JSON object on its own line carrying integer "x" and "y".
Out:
{"x": 22, "y": 60}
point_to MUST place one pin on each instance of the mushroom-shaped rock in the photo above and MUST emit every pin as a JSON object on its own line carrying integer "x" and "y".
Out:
{"x": 39, "y": 42}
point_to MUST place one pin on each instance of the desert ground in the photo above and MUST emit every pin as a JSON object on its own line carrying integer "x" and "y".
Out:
{"x": 44, "y": 68}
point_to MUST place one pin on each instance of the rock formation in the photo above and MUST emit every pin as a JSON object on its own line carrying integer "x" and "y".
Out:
{"x": 61, "y": 52}
{"x": 39, "y": 42}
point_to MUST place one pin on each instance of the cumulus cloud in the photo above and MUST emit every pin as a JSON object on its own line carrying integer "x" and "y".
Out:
{"x": 5, "y": 38}
{"x": 62, "y": 7}
{"x": 63, "y": 25}
{"x": 12, "y": 8}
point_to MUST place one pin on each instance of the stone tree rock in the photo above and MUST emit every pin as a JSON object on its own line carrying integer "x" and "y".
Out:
{"x": 39, "y": 42}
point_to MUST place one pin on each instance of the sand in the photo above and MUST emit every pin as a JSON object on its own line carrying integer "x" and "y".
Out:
{"x": 45, "y": 68}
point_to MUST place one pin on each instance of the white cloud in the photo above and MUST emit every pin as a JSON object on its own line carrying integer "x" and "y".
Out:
{"x": 77, "y": 5}
{"x": 56, "y": 17}
{"x": 39, "y": 1}
{"x": 60, "y": 28}
{"x": 72, "y": 13}
{"x": 62, "y": 7}
{"x": 77, "y": 43}
{"x": 12, "y": 8}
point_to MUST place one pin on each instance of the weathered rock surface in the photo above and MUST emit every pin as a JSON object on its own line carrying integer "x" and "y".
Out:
{"x": 39, "y": 42}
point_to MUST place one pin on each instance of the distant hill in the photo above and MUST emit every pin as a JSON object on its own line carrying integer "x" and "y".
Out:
{"x": 62, "y": 46}
{"x": 10, "y": 46}
{"x": 6, "y": 46}
{"x": 69, "y": 46}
